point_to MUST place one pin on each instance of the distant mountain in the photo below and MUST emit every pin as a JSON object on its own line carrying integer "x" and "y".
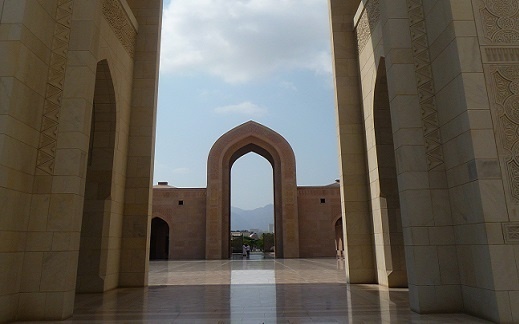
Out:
{"x": 259, "y": 218}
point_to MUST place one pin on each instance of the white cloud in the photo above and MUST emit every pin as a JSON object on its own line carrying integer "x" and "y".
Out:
{"x": 239, "y": 40}
{"x": 245, "y": 108}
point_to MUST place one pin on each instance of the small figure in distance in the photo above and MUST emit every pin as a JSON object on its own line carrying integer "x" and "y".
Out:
{"x": 247, "y": 249}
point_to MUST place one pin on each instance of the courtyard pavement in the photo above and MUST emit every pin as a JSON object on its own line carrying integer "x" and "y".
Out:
{"x": 254, "y": 290}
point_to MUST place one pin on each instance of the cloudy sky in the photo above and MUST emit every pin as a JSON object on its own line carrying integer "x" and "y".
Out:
{"x": 224, "y": 62}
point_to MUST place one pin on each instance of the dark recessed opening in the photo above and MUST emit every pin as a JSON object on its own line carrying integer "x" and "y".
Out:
{"x": 323, "y": 201}
{"x": 180, "y": 202}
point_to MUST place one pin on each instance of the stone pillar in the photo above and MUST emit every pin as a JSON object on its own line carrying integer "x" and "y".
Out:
{"x": 139, "y": 176}
{"x": 45, "y": 80}
{"x": 432, "y": 265}
{"x": 385, "y": 206}
{"x": 21, "y": 101}
{"x": 358, "y": 232}
{"x": 483, "y": 148}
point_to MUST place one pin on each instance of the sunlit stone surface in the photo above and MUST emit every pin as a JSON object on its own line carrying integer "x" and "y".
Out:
{"x": 427, "y": 94}
{"x": 253, "y": 291}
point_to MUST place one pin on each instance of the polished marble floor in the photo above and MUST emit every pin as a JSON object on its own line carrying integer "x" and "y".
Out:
{"x": 254, "y": 290}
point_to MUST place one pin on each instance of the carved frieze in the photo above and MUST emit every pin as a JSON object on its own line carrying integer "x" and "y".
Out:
{"x": 54, "y": 90}
{"x": 501, "y": 54}
{"x": 367, "y": 22}
{"x": 121, "y": 24}
{"x": 425, "y": 83}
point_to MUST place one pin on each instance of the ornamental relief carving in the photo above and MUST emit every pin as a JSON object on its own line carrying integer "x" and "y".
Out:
{"x": 54, "y": 90}
{"x": 367, "y": 23}
{"x": 425, "y": 84}
{"x": 500, "y": 21}
{"x": 121, "y": 24}
{"x": 511, "y": 231}
{"x": 504, "y": 84}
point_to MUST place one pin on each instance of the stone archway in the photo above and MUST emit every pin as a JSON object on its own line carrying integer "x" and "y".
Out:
{"x": 385, "y": 204}
{"x": 94, "y": 271}
{"x": 251, "y": 137}
{"x": 159, "y": 239}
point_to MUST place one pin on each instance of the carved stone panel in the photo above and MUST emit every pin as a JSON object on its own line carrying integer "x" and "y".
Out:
{"x": 54, "y": 90}
{"x": 425, "y": 84}
{"x": 499, "y": 21}
{"x": 498, "y": 34}
{"x": 121, "y": 24}
{"x": 503, "y": 81}
{"x": 511, "y": 232}
{"x": 368, "y": 21}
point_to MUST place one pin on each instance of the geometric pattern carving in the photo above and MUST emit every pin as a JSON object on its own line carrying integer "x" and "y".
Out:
{"x": 500, "y": 21}
{"x": 505, "y": 88}
{"x": 54, "y": 90}
{"x": 511, "y": 233}
{"x": 367, "y": 23}
{"x": 121, "y": 24}
{"x": 499, "y": 36}
{"x": 425, "y": 83}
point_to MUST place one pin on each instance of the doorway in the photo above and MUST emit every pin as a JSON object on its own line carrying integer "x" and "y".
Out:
{"x": 159, "y": 239}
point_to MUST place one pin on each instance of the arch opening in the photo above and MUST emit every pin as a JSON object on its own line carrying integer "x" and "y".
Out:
{"x": 389, "y": 242}
{"x": 251, "y": 137}
{"x": 92, "y": 269}
{"x": 159, "y": 239}
{"x": 252, "y": 206}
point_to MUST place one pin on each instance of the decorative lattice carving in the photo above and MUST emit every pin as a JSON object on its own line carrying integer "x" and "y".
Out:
{"x": 121, "y": 24}
{"x": 511, "y": 233}
{"x": 367, "y": 23}
{"x": 505, "y": 88}
{"x": 425, "y": 83}
{"x": 500, "y": 21}
{"x": 54, "y": 91}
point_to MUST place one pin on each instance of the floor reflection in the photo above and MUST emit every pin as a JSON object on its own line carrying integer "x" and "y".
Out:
{"x": 252, "y": 291}
{"x": 259, "y": 294}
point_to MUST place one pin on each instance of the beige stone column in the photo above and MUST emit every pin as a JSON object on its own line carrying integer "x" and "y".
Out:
{"x": 139, "y": 176}
{"x": 358, "y": 233}
{"x": 24, "y": 67}
{"x": 431, "y": 260}
{"x": 48, "y": 275}
{"x": 384, "y": 195}
{"x": 483, "y": 149}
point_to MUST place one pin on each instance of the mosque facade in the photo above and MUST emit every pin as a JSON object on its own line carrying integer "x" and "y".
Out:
{"x": 184, "y": 231}
{"x": 427, "y": 95}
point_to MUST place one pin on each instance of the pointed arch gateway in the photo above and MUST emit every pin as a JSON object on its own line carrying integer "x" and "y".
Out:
{"x": 243, "y": 139}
